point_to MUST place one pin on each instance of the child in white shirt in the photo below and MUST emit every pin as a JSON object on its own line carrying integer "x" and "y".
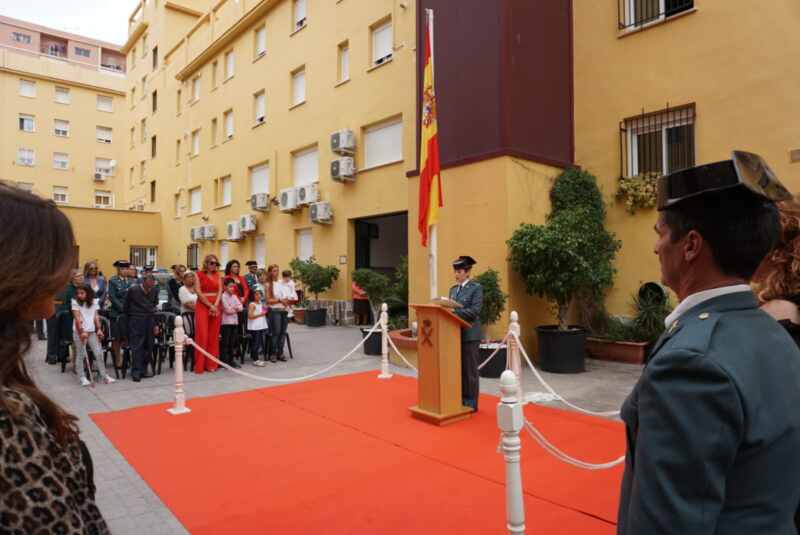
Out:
{"x": 87, "y": 331}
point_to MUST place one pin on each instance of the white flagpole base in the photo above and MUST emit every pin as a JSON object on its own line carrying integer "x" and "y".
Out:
{"x": 179, "y": 410}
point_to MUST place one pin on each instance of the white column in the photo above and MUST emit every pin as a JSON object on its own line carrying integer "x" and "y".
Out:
{"x": 385, "y": 374}
{"x": 516, "y": 359}
{"x": 179, "y": 339}
{"x": 509, "y": 420}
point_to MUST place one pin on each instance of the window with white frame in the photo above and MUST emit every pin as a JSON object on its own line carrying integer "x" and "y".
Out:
{"x": 143, "y": 130}
{"x": 27, "y": 88}
{"x": 177, "y": 205}
{"x": 60, "y": 160}
{"x": 60, "y": 194}
{"x": 23, "y": 38}
{"x": 143, "y": 255}
{"x": 260, "y": 248}
{"x": 192, "y": 256}
{"x": 383, "y": 143}
{"x": 304, "y": 244}
{"x": 195, "y": 88}
{"x": 299, "y": 11}
{"x": 104, "y": 166}
{"x": 225, "y": 191}
{"x": 26, "y": 157}
{"x": 144, "y": 86}
{"x": 142, "y": 171}
{"x": 214, "y": 75}
{"x": 133, "y": 58}
{"x": 213, "y": 132}
{"x": 195, "y": 142}
{"x": 61, "y": 127}
{"x": 637, "y": 13}
{"x": 382, "y": 43}
{"x": 62, "y": 95}
{"x": 27, "y": 123}
{"x": 299, "y": 86}
{"x": 259, "y": 179}
{"x": 195, "y": 201}
{"x": 305, "y": 166}
{"x": 228, "y": 119}
{"x": 224, "y": 252}
{"x": 105, "y": 103}
{"x": 260, "y": 106}
{"x": 130, "y": 178}
{"x": 229, "y": 64}
{"x": 260, "y": 37}
{"x": 660, "y": 143}
{"x": 177, "y": 152}
{"x": 104, "y": 134}
{"x": 178, "y": 102}
{"x": 83, "y": 52}
{"x": 344, "y": 62}
{"x": 103, "y": 199}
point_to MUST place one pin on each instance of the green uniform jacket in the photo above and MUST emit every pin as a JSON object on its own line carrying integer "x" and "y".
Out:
{"x": 471, "y": 299}
{"x": 713, "y": 427}
{"x": 117, "y": 289}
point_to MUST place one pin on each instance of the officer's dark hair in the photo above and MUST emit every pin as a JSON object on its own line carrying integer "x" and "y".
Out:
{"x": 739, "y": 227}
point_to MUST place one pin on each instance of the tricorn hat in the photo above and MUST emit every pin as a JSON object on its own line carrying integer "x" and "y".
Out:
{"x": 251, "y": 263}
{"x": 121, "y": 264}
{"x": 464, "y": 262}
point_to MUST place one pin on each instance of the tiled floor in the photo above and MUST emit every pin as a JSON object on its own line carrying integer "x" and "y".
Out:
{"x": 128, "y": 503}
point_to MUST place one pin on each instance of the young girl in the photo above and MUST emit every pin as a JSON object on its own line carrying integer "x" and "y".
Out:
{"x": 87, "y": 331}
{"x": 231, "y": 306}
{"x": 257, "y": 326}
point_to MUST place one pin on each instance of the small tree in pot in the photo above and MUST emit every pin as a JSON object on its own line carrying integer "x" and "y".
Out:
{"x": 378, "y": 289}
{"x": 316, "y": 279}
{"x": 494, "y": 302}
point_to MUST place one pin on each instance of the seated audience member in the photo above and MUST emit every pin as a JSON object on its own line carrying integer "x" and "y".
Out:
{"x": 187, "y": 293}
{"x": 45, "y": 468}
{"x": 231, "y": 307}
{"x": 63, "y": 303}
{"x": 282, "y": 298}
{"x": 86, "y": 331}
{"x": 174, "y": 285}
{"x": 257, "y": 328}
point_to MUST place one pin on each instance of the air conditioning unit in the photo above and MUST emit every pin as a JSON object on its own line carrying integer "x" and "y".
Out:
{"x": 307, "y": 193}
{"x": 99, "y": 177}
{"x": 343, "y": 142}
{"x": 343, "y": 169}
{"x": 260, "y": 201}
{"x": 321, "y": 212}
{"x": 234, "y": 232}
{"x": 288, "y": 199}
{"x": 209, "y": 232}
{"x": 247, "y": 223}
{"x": 196, "y": 233}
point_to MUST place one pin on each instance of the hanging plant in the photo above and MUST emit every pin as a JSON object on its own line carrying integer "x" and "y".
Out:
{"x": 638, "y": 192}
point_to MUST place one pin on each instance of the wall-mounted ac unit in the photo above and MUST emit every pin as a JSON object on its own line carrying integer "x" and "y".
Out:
{"x": 260, "y": 202}
{"x": 288, "y": 199}
{"x": 343, "y": 169}
{"x": 307, "y": 193}
{"x": 99, "y": 177}
{"x": 343, "y": 142}
{"x": 196, "y": 233}
{"x": 247, "y": 223}
{"x": 209, "y": 232}
{"x": 233, "y": 233}
{"x": 321, "y": 212}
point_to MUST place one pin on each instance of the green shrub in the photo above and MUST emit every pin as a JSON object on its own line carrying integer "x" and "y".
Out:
{"x": 494, "y": 300}
{"x": 376, "y": 285}
{"x": 316, "y": 279}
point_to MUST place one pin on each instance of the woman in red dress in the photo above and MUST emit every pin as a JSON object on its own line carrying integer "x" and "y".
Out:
{"x": 207, "y": 315}
{"x": 232, "y": 270}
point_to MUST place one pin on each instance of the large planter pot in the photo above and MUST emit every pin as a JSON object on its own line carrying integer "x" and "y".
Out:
{"x": 299, "y": 315}
{"x": 317, "y": 317}
{"x": 372, "y": 344}
{"x": 562, "y": 351}
{"x": 630, "y": 352}
{"x": 495, "y": 367}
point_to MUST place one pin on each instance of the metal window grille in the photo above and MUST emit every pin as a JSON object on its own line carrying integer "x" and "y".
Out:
{"x": 142, "y": 256}
{"x": 636, "y": 13}
{"x": 659, "y": 142}
{"x": 192, "y": 256}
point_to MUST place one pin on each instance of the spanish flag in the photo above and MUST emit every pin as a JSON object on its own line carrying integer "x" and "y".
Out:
{"x": 430, "y": 179}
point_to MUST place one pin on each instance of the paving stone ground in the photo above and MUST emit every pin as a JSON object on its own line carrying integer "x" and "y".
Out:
{"x": 128, "y": 503}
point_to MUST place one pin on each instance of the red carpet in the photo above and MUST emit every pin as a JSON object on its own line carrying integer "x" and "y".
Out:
{"x": 343, "y": 456}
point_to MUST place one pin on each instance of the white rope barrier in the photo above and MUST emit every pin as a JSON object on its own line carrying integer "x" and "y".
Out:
{"x": 402, "y": 357}
{"x": 500, "y": 345}
{"x": 561, "y": 456}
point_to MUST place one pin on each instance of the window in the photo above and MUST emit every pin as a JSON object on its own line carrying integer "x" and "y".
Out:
{"x": 62, "y": 95}
{"x": 195, "y": 88}
{"x": 25, "y": 186}
{"x": 153, "y": 147}
{"x": 214, "y": 75}
{"x": 83, "y": 52}
{"x": 176, "y": 204}
{"x": 60, "y": 160}
{"x": 143, "y": 131}
{"x": 133, "y": 135}
{"x": 154, "y": 101}
{"x": 260, "y": 247}
{"x": 305, "y": 166}
{"x": 299, "y": 86}
{"x": 144, "y": 45}
{"x": 223, "y": 252}
{"x": 299, "y": 9}
{"x": 178, "y": 103}
{"x": 27, "y": 88}
{"x": 259, "y": 179}
{"x": 225, "y": 191}
{"x": 228, "y": 116}
{"x": 133, "y": 57}
{"x": 61, "y": 127}
{"x": 133, "y": 97}
{"x": 637, "y": 13}
{"x": 152, "y": 191}
{"x": 383, "y": 143}
{"x": 60, "y": 194}
{"x": 104, "y": 134}
{"x": 144, "y": 86}
{"x": 382, "y": 43}
{"x": 23, "y": 38}
{"x": 260, "y": 37}
{"x": 259, "y": 106}
{"x": 143, "y": 255}
{"x": 195, "y": 142}
{"x": 177, "y": 152}
{"x": 155, "y": 57}
{"x": 229, "y": 64}
{"x": 304, "y": 245}
{"x": 659, "y": 143}
{"x": 104, "y": 166}
{"x": 195, "y": 201}
{"x": 130, "y": 178}
{"x": 26, "y": 157}
{"x": 103, "y": 199}
{"x": 142, "y": 171}
{"x": 192, "y": 256}
{"x": 344, "y": 62}
{"x": 27, "y": 123}
{"x": 105, "y": 103}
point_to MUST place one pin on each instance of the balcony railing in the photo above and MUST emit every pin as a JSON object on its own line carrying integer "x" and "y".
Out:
{"x": 638, "y": 13}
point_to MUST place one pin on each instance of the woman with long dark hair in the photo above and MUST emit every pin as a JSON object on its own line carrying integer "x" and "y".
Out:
{"x": 232, "y": 271}
{"x": 95, "y": 279}
{"x": 207, "y": 314}
{"x": 45, "y": 469}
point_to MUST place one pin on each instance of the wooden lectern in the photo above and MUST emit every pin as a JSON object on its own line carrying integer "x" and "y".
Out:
{"x": 439, "y": 361}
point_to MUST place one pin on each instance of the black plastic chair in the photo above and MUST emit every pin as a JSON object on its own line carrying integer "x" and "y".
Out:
{"x": 65, "y": 321}
{"x": 188, "y": 351}
{"x": 165, "y": 321}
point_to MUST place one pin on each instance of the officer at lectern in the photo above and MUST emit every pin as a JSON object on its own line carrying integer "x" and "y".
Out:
{"x": 468, "y": 294}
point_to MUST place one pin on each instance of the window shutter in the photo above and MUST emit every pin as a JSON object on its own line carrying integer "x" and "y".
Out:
{"x": 226, "y": 190}
{"x": 259, "y": 179}
{"x": 381, "y": 42}
{"x": 298, "y": 87}
{"x": 305, "y": 167}
{"x": 383, "y": 144}
{"x": 260, "y": 113}
{"x": 196, "y": 200}
{"x": 305, "y": 244}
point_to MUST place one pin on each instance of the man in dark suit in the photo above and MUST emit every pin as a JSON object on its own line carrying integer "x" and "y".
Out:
{"x": 469, "y": 294}
{"x": 713, "y": 426}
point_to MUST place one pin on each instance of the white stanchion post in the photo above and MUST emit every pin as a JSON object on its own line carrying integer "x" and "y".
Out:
{"x": 510, "y": 420}
{"x": 385, "y": 374}
{"x": 516, "y": 359}
{"x": 179, "y": 339}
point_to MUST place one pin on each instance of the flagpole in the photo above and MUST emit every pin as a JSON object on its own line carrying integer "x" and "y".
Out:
{"x": 433, "y": 242}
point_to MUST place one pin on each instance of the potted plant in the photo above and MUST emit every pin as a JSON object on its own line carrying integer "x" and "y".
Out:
{"x": 494, "y": 302}
{"x": 571, "y": 255}
{"x": 378, "y": 289}
{"x": 316, "y": 279}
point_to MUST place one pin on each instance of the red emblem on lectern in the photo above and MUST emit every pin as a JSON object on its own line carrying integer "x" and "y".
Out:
{"x": 427, "y": 331}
